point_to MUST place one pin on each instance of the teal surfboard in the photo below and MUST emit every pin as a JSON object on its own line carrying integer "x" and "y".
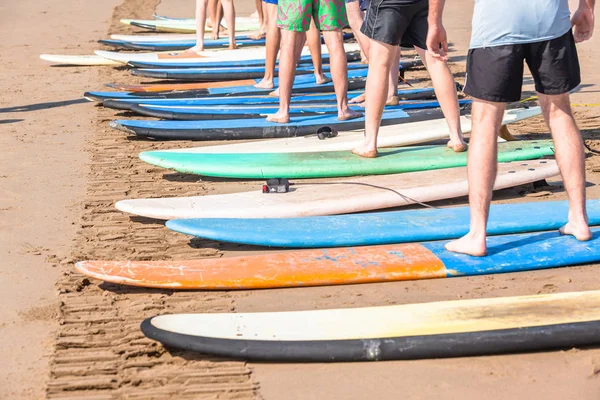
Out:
{"x": 334, "y": 163}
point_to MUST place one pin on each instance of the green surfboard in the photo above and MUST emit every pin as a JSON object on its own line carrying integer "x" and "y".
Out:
{"x": 335, "y": 163}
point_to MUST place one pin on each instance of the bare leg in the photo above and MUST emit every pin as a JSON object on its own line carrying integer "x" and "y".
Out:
{"x": 201, "y": 6}
{"x": 571, "y": 161}
{"x": 229, "y": 10}
{"x": 313, "y": 38}
{"x": 445, "y": 91}
{"x": 482, "y": 168}
{"x": 339, "y": 73}
{"x": 355, "y": 19}
{"x": 261, "y": 11}
{"x": 272, "y": 46}
{"x": 392, "y": 92}
{"x": 381, "y": 58}
{"x": 217, "y": 17}
{"x": 290, "y": 41}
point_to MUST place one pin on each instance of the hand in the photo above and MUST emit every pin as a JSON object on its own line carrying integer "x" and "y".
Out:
{"x": 583, "y": 24}
{"x": 437, "y": 42}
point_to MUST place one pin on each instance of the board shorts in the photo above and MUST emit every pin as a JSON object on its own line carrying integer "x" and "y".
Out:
{"x": 270, "y": 1}
{"x": 396, "y": 23}
{"x": 496, "y": 73}
{"x": 295, "y": 15}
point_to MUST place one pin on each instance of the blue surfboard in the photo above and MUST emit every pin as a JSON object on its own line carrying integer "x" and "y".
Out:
{"x": 381, "y": 227}
{"x": 242, "y": 41}
{"x": 243, "y": 129}
{"x": 306, "y": 59}
{"x": 225, "y": 74}
{"x": 236, "y": 112}
{"x": 303, "y": 84}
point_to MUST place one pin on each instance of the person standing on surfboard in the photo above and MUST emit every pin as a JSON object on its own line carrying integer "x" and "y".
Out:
{"x": 294, "y": 18}
{"x": 505, "y": 34}
{"x": 201, "y": 8}
{"x": 273, "y": 43}
{"x": 389, "y": 24}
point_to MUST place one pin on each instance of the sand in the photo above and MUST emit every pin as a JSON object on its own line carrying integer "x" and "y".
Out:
{"x": 64, "y": 336}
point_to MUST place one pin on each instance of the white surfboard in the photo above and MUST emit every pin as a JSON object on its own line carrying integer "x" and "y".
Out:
{"x": 257, "y": 53}
{"x": 155, "y": 38}
{"x": 88, "y": 60}
{"x": 389, "y": 136}
{"x": 340, "y": 196}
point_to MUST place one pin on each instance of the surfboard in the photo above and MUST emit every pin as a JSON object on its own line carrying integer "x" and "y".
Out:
{"x": 410, "y": 134}
{"x": 340, "y": 196}
{"x": 218, "y": 77}
{"x": 84, "y": 60}
{"x": 258, "y": 53}
{"x": 128, "y": 102}
{"x": 184, "y": 44}
{"x": 351, "y": 265}
{"x": 154, "y": 37}
{"x": 242, "y": 128}
{"x": 334, "y": 164}
{"x": 381, "y": 227}
{"x": 189, "y": 25}
{"x": 216, "y": 74}
{"x": 180, "y": 45}
{"x": 458, "y": 328}
{"x": 239, "y": 112}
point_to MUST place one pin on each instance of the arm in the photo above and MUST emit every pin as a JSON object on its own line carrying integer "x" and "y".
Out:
{"x": 437, "y": 41}
{"x": 583, "y": 20}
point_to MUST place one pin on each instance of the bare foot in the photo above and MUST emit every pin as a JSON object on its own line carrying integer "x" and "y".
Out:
{"x": 196, "y": 49}
{"x": 364, "y": 61}
{"x": 233, "y": 46}
{"x": 322, "y": 79}
{"x": 275, "y": 93}
{"x": 280, "y": 118}
{"x": 258, "y": 35}
{"x": 365, "y": 151}
{"x": 348, "y": 114}
{"x": 392, "y": 101}
{"x": 458, "y": 147}
{"x": 358, "y": 99}
{"x": 580, "y": 231}
{"x": 214, "y": 35}
{"x": 265, "y": 84}
{"x": 473, "y": 245}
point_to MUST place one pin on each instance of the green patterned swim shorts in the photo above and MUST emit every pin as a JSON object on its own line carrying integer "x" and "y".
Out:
{"x": 295, "y": 15}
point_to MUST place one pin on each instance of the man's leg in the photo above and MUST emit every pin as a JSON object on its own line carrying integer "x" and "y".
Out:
{"x": 272, "y": 45}
{"x": 392, "y": 94}
{"x": 339, "y": 73}
{"x": 229, "y": 10}
{"x": 290, "y": 41}
{"x": 380, "y": 61}
{"x": 355, "y": 19}
{"x": 313, "y": 40}
{"x": 571, "y": 160}
{"x": 482, "y": 168}
{"x": 445, "y": 91}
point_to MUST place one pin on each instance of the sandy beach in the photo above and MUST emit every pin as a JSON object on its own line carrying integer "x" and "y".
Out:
{"x": 64, "y": 336}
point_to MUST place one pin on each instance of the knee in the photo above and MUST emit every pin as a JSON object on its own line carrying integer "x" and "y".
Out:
{"x": 555, "y": 105}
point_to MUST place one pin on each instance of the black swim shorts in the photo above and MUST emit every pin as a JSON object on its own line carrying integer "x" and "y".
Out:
{"x": 496, "y": 73}
{"x": 397, "y": 22}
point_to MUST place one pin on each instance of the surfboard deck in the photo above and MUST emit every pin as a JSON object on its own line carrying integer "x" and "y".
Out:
{"x": 351, "y": 265}
{"x": 333, "y": 164}
{"x": 242, "y": 129}
{"x": 340, "y": 196}
{"x": 85, "y": 60}
{"x": 457, "y": 328}
{"x": 382, "y": 227}
{"x": 239, "y": 56}
{"x": 180, "y": 45}
{"x": 202, "y": 113}
{"x": 188, "y": 25}
{"x": 411, "y": 133}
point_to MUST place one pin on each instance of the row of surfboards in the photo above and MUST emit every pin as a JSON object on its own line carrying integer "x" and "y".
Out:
{"x": 392, "y": 246}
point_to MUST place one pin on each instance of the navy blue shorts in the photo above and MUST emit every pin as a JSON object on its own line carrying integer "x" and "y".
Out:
{"x": 270, "y": 1}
